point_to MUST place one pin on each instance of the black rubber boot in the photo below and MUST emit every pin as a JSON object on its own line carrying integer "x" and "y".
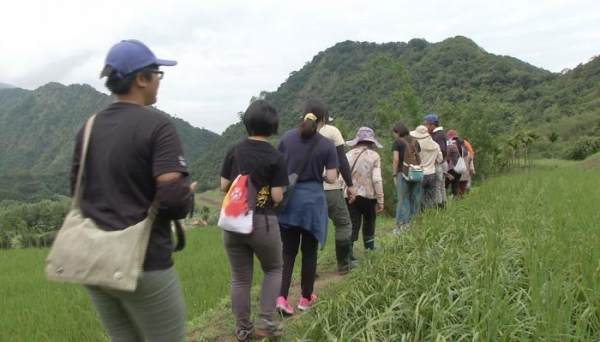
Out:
{"x": 352, "y": 257}
{"x": 369, "y": 242}
{"x": 342, "y": 254}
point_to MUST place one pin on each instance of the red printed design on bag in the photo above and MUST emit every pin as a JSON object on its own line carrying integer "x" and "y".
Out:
{"x": 238, "y": 206}
{"x": 236, "y": 202}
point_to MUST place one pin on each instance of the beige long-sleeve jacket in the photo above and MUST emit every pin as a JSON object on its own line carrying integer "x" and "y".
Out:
{"x": 366, "y": 174}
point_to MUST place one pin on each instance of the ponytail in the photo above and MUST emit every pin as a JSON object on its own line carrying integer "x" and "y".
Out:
{"x": 308, "y": 127}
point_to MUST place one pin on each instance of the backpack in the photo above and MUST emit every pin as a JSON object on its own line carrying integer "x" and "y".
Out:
{"x": 411, "y": 166}
{"x": 237, "y": 210}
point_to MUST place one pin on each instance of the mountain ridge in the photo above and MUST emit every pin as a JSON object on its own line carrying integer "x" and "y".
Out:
{"x": 38, "y": 128}
{"x": 489, "y": 97}
{"x": 472, "y": 90}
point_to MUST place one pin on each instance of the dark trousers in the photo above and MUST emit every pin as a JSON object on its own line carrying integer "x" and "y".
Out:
{"x": 363, "y": 209}
{"x": 292, "y": 239}
{"x": 265, "y": 243}
{"x": 455, "y": 183}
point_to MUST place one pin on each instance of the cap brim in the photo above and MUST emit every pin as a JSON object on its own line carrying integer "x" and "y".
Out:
{"x": 107, "y": 71}
{"x": 165, "y": 62}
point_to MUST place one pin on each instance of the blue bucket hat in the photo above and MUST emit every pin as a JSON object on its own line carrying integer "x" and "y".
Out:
{"x": 129, "y": 56}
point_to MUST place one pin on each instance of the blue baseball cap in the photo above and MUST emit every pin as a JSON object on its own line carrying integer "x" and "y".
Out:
{"x": 129, "y": 56}
{"x": 431, "y": 118}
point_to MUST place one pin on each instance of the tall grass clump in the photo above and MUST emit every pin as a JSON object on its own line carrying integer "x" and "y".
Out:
{"x": 516, "y": 260}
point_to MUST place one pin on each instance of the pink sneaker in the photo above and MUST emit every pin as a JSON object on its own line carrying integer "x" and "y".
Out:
{"x": 305, "y": 304}
{"x": 283, "y": 306}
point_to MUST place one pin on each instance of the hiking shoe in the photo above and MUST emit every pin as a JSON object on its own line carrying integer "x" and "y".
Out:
{"x": 403, "y": 227}
{"x": 304, "y": 304}
{"x": 284, "y": 307}
{"x": 269, "y": 329}
{"x": 244, "y": 335}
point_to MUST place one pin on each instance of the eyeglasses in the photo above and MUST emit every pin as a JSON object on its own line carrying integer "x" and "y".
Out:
{"x": 160, "y": 74}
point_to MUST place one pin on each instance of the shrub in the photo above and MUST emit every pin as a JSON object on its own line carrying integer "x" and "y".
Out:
{"x": 583, "y": 148}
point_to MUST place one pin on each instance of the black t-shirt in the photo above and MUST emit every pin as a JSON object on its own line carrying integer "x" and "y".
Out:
{"x": 263, "y": 163}
{"x": 400, "y": 147}
{"x": 129, "y": 147}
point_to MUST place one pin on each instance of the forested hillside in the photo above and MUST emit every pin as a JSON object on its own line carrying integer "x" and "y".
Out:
{"x": 37, "y": 130}
{"x": 509, "y": 110}
{"x": 5, "y": 85}
{"x": 501, "y": 104}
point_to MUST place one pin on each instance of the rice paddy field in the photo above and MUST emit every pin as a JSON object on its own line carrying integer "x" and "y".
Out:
{"x": 518, "y": 259}
{"x": 33, "y": 309}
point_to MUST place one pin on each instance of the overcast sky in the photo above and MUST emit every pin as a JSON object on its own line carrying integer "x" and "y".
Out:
{"x": 229, "y": 51}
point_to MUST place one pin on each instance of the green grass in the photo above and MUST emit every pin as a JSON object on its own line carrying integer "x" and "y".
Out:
{"x": 552, "y": 162}
{"x": 34, "y": 309}
{"x": 516, "y": 261}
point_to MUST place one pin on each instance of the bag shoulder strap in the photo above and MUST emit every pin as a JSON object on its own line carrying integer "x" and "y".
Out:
{"x": 307, "y": 155}
{"x": 87, "y": 133}
{"x": 356, "y": 160}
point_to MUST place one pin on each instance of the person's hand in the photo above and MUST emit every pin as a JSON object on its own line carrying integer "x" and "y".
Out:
{"x": 193, "y": 186}
{"x": 395, "y": 181}
{"x": 473, "y": 171}
{"x": 380, "y": 207}
{"x": 351, "y": 193}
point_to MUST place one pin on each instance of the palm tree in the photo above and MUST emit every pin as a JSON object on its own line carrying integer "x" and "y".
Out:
{"x": 552, "y": 137}
{"x": 513, "y": 144}
{"x": 528, "y": 138}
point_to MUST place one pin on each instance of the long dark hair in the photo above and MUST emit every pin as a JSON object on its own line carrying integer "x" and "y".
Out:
{"x": 319, "y": 109}
{"x": 401, "y": 129}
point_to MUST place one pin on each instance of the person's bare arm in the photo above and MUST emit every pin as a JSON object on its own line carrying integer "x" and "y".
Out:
{"x": 225, "y": 184}
{"x": 395, "y": 166}
{"x": 277, "y": 194}
{"x": 330, "y": 176}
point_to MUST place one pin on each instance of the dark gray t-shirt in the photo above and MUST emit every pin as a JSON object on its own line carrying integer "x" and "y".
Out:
{"x": 129, "y": 147}
{"x": 294, "y": 149}
{"x": 263, "y": 163}
{"x": 401, "y": 147}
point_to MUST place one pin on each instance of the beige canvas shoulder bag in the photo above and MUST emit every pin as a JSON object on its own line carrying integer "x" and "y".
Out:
{"x": 83, "y": 253}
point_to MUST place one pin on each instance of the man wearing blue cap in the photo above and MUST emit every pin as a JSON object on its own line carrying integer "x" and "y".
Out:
{"x": 134, "y": 160}
{"x": 432, "y": 122}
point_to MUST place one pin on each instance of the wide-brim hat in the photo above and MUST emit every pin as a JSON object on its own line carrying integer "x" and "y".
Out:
{"x": 364, "y": 134}
{"x": 420, "y": 132}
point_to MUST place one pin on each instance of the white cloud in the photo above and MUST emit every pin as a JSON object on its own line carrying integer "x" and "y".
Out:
{"x": 229, "y": 51}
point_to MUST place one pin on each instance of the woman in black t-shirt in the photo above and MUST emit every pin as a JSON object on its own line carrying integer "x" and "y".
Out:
{"x": 268, "y": 173}
{"x": 409, "y": 192}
